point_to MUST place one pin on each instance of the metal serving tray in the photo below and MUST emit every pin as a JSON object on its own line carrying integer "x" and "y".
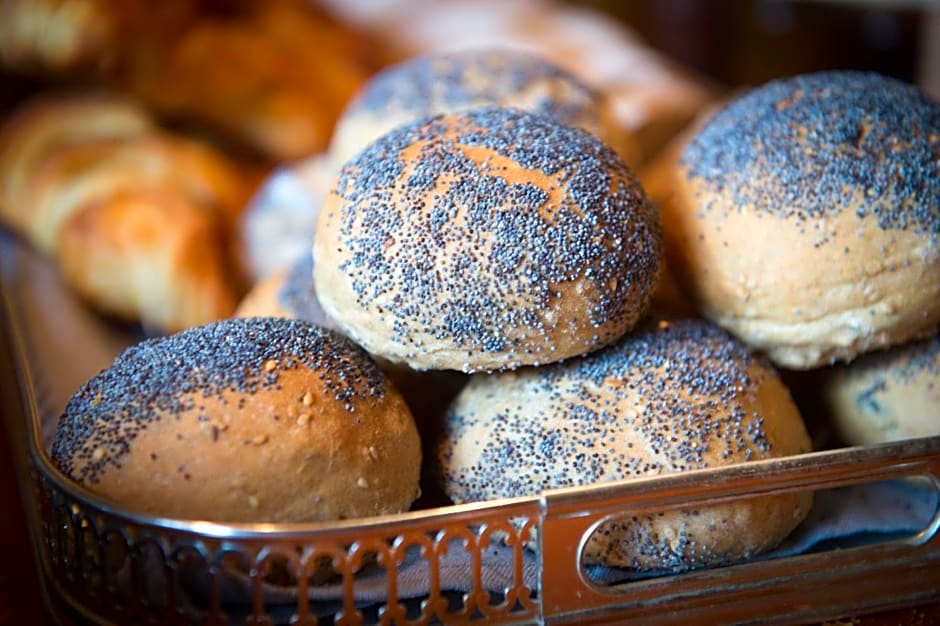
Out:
{"x": 508, "y": 561}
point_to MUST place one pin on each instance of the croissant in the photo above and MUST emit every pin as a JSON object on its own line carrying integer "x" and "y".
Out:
{"x": 49, "y": 123}
{"x": 57, "y": 37}
{"x": 77, "y": 174}
{"x": 273, "y": 76}
{"x": 139, "y": 222}
{"x": 149, "y": 255}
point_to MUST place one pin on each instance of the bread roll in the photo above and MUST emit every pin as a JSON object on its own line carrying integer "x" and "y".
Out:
{"x": 805, "y": 216}
{"x": 247, "y": 420}
{"x": 886, "y": 396}
{"x": 668, "y": 398}
{"x": 461, "y": 80}
{"x": 486, "y": 240}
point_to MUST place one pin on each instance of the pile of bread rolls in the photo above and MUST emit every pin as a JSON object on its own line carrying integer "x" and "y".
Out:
{"x": 804, "y": 218}
{"x": 494, "y": 232}
{"x": 483, "y": 245}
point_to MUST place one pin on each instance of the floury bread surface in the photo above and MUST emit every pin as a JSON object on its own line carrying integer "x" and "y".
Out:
{"x": 805, "y": 217}
{"x": 668, "y": 398}
{"x": 486, "y": 240}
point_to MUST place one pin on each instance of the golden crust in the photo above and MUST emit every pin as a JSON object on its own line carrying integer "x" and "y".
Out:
{"x": 91, "y": 183}
{"x": 47, "y": 124}
{"x": 119, "y": 253}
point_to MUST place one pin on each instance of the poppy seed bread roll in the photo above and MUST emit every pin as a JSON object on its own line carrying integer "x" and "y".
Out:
{"x": 486, "y": 240}
{"x": 245, "y": 420}
{"x": 887, "y": 395}
{"x": 454, "y": 81}
{"x": 668, "y": 398}
{"x": 805, "y": 216}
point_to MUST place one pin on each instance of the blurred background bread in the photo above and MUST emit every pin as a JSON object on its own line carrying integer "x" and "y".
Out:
{"x": 268, "y": 77}
{"x": 139, "y": 220}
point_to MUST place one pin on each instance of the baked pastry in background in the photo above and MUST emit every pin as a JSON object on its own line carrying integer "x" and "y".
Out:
{"x": 887, "y": 395}
{"x": 139, "y": 220}
{"x": 59, "y": 37}
{"x": 485, "y": 240}
{"x": 269, "y": 76}
{"x": 49, "y": 123}
{"x": 805, "y": 217}
{"x": 669, "y": 397}
{"x": 244, "y": 420}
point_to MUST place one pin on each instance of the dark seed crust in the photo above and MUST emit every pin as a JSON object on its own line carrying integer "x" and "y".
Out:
{"x": 820, "y": 144}
{"x": 452, "y": 81}
{"x": 161, "y": 378}
{"x": 668, "y": 398}
{"x": 467, "y": 230}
